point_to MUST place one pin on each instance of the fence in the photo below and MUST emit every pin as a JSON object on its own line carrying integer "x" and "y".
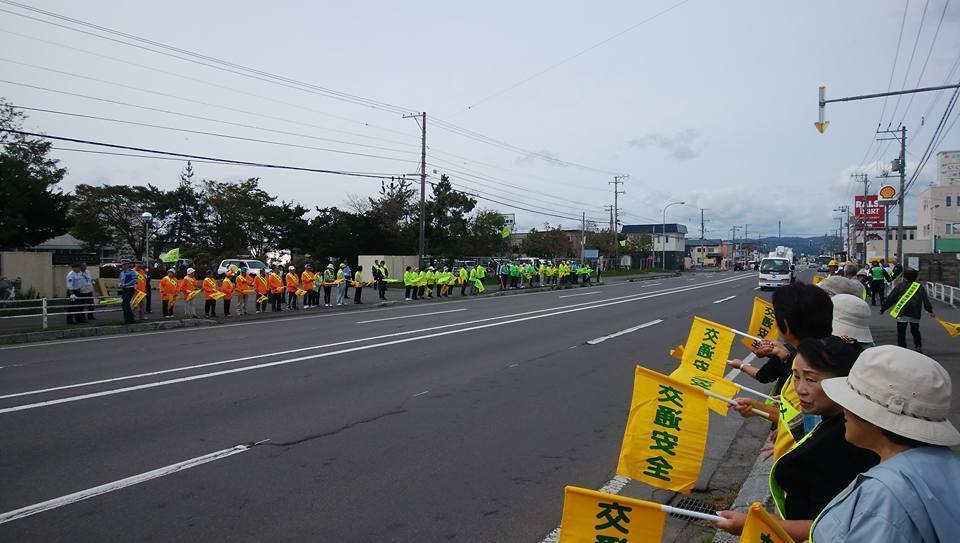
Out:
{"x": 44, "y": 308}
{"x": 945, "y": 293}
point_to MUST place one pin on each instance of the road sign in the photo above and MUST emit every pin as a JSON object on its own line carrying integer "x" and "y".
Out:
{"x": 887, "y": 195}
{"x": 874, "y": 215}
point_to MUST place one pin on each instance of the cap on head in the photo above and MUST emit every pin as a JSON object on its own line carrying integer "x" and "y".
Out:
{"x": 851, "y": 318}
{"x": 171, "y": 271}
{"x": 291, "y": 268}
{"x": 190, "y": 270}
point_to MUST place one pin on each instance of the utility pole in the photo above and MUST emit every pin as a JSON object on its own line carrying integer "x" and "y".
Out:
{"x": 844, "y": 209}
{"x": 899, "y": 165}
{"x": 778, "y": 234}
{"x": 703, "y": 257}
{"x": 617, "y": 181}
{"x": 733, "y": 241}
{"x": 863, "y": 178}
{"x": 745, "y": 237}
{"x": 423, "y": 179}
{"x": 583, "y": 236}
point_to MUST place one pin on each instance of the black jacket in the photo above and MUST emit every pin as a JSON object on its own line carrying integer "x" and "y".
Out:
{"x": 777, "y": 370}
{"x": 815, "y": 471}
{"x": 912, "y": 308}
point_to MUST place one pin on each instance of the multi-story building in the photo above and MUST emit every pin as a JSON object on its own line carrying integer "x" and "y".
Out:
{"x": 938, "y": 218}
{"x": 670, "y": 241}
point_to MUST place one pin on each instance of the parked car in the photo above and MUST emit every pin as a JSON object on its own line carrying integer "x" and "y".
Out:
{"x": 250, "y": 265}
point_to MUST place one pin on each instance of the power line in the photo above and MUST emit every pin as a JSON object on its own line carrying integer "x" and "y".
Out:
{"x": 576, "y": 55}
{"x": 230, "y": 89}
{"x": 212, "y": 134}
{"x": 931, "y": 146}
{"x": 923, "y": 69}
{"x": 198, "y": 157}
{"x": 913, "y": 52}
{"x": 896, "y": 56}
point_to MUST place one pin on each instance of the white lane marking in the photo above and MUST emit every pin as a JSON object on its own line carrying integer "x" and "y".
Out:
{"x": 323, "y": 346}
{"x": 513, "y": 365}
{"x": 595, "y": 341}
{"x": 419, "y": 393}
{"x": 651, "y": 285}
{"x": 721, "y": 300}
{"x": 581, "y": 294}
{"x": 412, "y": 316}
{"x": 756, "y": 288}
{"x": 122, "y": 483}
{"x": 589, "y": 305}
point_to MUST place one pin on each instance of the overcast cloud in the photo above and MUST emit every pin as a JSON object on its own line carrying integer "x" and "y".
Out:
{"x": 712, "y": 104}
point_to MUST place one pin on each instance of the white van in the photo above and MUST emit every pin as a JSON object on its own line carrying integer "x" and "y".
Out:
{"x": 250, "y": 265}
{"x": 775, "y": 272}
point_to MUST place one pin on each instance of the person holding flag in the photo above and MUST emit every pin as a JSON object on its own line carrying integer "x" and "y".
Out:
{"x": 808, "y": 476}
{"x": 907, "y": 298}
{"x": 275, "y": 284}
{"x": 210, "y": 290}
{"x": 242, "y": 288}
{"x": 261, "y": 290}
{"x": 226, "y": 288}
{"x": 463, "y": 278}
{"x": 307, "y": 279}
{"x": 327, "y": 284}
{"x": 168, "y": 292}
{"x": 188, "y": 289}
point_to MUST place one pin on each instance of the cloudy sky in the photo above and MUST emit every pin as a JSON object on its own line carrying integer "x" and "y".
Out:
{"x": 711, "y": 103}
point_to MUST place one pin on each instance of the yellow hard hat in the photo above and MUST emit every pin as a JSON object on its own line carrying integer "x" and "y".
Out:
{"x": 848, "y": 262}
{"x": 832, "y": 263}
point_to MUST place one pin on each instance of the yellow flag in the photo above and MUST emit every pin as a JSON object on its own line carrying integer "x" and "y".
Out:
{"x": 717, "y": 385}
{"x": 590, "y": 516}
{"x": 137, "y": 298}
{"x": 677, "y": 352}
{"x": 708, "y": 346}
{"x": 952, "y": 328}
{"x": 262, "y": 298}
{"x": 760, "y": 527}
{"x": 300, "y": 292}
{"x": 217, "y": 295}
{"x": 817, "y": 279}
{"x": 666, "y": 432}
{"x": 762, "y": 323}
{"x": 192, "y": 294}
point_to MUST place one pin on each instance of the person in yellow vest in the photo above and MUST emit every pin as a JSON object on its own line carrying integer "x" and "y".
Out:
{"x": 906, "y": 300}
{"x": 275, "y": 284}
{"x": 478, "y": 282}
{"x": 431, "y": 281}
{"x": 409, "y": 284}
{"x": 242, "y": 289}
{"x": 188, "y": 285}
{"x": 820, "y": 465}
{"x": 341, "y": 285}
{"x": 168, "y": 292}
{"x": 261, "y": 290}
{"x": 226, "y": 287}
{"x": 801, "y": 311}
{"x": 209, "y": 286}
{"x": 328, "y": 279}
{"x": 358, "y": 284}
{"x": 307, "y": 278}
{"x": 139, "y": 268}
{"x": 292, "y": 284}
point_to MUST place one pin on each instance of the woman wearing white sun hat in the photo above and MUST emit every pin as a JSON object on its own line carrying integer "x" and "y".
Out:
{"x": 896, "y": 403}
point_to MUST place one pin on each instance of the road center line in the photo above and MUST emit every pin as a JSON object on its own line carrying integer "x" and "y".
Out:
{"x": 560, "y": 311}
{"x": 122, "y": 483}
{"x": 412, "y": 316}
{"x": 420, "y": 393}
{"x": 581, "y": 294}
{"x": 724, "y": 299}
{"x": 622, "y": 332}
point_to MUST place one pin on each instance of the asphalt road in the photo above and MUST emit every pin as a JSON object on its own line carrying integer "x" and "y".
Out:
{"x": 459, "y": 420}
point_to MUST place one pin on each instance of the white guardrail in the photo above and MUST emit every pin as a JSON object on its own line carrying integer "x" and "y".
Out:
{"x": 945, "y": 293}
{"x": 43, "y": 308}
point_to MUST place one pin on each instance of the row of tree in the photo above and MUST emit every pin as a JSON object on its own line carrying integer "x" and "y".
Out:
{"x": 211, "y": 219}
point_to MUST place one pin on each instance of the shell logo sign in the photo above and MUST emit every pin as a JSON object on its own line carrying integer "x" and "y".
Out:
{"x": 887, "y": 195}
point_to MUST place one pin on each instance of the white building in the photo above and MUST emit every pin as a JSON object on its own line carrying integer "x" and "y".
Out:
{"x": 938, "y": 217}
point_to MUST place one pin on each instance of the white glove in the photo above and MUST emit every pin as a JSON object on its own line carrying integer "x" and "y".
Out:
{"x": 73, "y": 297}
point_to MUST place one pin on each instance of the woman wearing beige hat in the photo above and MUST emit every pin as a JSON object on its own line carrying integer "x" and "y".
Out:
{"x": 851, "y": 319}
{"x": 896, "y": 403}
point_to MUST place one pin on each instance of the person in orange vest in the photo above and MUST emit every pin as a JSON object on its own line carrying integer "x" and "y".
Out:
{"x": 307, "y": 278}
{"x": 226, "y": 287}
{"x": 168, "y": 292}
{"x": 293, "y": 284}
{"x": 209, "y": 289}
{"x": 242, "y": 288}
{"x": 138, "y": 268}
{"x": 260, "y": 289}
{"x": 275, "y": 283}
{"x": 187, "y": 285}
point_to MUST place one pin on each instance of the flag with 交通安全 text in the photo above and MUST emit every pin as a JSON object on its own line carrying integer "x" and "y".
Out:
{"x": 762, "y": 323}
{"x": 590, "y": 516}
{"x": 708, "y": 346}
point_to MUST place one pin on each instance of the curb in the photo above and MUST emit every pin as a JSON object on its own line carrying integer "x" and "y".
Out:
{"x": 754, "y": 489}
{"x": 70, "y": 333}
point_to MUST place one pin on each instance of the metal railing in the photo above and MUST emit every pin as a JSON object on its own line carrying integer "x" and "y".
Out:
{"x": 44, "y": 308}
{"x": 945, "y": 293}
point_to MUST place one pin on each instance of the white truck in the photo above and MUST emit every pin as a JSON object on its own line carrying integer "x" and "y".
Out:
{"x": 777, "y": 269}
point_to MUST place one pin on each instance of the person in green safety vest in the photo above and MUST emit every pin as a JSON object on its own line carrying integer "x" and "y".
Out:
{"x": 878, "y": 279}
{"x": 464, "y": 280}
{"x": 478, "y": 279}
{"x": 907, "y": 298}
{"x": 409, "y": 284}
{"x": 542, "y": 271}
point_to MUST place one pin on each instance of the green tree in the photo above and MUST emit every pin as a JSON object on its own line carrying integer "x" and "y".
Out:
{"x": 394, "y": 215}
{"x": 604, "y": 240}
{"x": 32, "y": 207}
{"x": 178, "y": 214}
{"x": 548, "y": 243}
{"x": 110, "y": 215}
{"x": 483, "y": 234}
{"x": 447, "y": 222}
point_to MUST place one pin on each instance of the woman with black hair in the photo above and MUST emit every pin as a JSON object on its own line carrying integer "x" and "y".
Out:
{"x": 823, "y": 463}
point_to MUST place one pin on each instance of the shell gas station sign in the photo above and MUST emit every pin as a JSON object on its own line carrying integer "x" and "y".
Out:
{"x": 887, "y": 195}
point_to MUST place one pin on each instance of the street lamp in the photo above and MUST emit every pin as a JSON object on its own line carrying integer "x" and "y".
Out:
{"x": 933, "y": 227}
{"x": 147, "y": 217}
{"x": 663, "y": 246}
